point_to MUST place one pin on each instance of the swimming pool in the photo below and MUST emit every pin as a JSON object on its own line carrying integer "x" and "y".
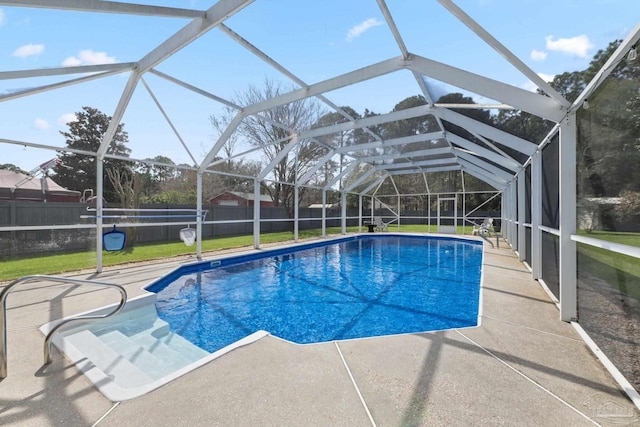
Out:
{"x": 355, "y": 287}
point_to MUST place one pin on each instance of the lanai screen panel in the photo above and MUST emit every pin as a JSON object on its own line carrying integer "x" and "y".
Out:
{"x": 527, "y": 214}
{"x": 550, "y": 215}
{"x": 608, "y": 189}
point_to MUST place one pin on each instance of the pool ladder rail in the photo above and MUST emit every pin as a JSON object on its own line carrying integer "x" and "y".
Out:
{"x": 49, "y": 337}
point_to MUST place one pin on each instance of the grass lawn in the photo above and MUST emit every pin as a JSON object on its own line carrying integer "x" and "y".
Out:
{"x": 64, "y": 263}
{"x": 620, "y": 271}
{"x": 606, "y": 265}
{"x": 625, "y": 238}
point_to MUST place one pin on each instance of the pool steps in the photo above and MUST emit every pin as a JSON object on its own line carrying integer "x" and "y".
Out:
{"x": 108, "y": 360}
{"x": 133, "y": 348}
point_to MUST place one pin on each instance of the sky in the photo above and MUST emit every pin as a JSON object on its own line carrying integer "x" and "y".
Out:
{"x": 315, "y": 40}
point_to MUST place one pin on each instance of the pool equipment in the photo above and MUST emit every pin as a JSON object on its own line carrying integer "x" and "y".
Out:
{"x": 114, "y": 240}
{"x": 188, "y": 236}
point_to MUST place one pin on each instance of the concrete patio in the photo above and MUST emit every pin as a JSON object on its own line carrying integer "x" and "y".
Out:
{"x": 522, "y": 366}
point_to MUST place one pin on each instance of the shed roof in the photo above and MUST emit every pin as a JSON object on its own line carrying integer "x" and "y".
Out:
{"x": 9, "y": 179}
{"x": 246, "y": 196}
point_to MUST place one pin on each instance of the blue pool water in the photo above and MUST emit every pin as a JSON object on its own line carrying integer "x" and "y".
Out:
{"x": 359, "y": 287}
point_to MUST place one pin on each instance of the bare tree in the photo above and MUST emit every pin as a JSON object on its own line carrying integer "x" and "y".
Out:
{"x": 219, "y": 124}
{"x": 128, "y": 186}
{"x": 273, "y": 139}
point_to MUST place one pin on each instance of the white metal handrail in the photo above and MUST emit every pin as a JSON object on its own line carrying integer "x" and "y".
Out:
{"x": 48, "y": 338}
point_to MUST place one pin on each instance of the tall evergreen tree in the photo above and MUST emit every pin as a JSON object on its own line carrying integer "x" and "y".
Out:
{"x": 78, "y": 171}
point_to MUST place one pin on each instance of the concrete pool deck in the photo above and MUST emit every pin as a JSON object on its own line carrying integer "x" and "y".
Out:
{"x": 522, "y": 366}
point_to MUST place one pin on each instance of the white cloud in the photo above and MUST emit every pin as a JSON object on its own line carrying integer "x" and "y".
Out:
{"x": 89, "y": 57}
{"x": 578, "y": 45}
{"x": 361, "y": 28}
{"x": 537, "y": 55}
{"x": 3, "y": 18}
{"x": 41, "y": 124}
{"x": 67, "y": 118}
{"x": 29, "y": 50}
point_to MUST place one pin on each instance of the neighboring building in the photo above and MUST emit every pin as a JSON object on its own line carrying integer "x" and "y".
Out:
{"x": 591, "y": 208}
{"x": 319, "y": 205}
{"x": 237, "y": 198}
{"x": 22, "y": 187}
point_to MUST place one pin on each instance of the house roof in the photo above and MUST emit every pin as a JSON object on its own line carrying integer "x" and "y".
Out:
{"x": 246, "y": 196}
{"x": 9, "y": 179}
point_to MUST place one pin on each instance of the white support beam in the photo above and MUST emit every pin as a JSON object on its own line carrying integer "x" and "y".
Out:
{"x": 404, "y": 165}
{"x": 494, "y": 147}
{"x": 256, "y": 214}
{"x": 266, "y": 58}
{"x": 359, "y": 213}
{"x": 506, "y": 225}
{"x": 196, "y": 28}
{"x": 278, "y": 158}
{"x": 488, "y": 168}
{"x": 169, "y": 122}
{"x": 474, "y": 126}
{"x": 497, "y": 184}
{"x": 199, "y": 218}
{"x": 222, "y": 101}
{"x": 502, "y": 50}
{"x": 63, "y": 71}
{"x": 343, "y": 213}
{"x": 360, "y": 180}
{"x": 53, "y": 86}
{"x": 521, "y": 215}
{"x": 195, "y": 89}
{"x": 260, "y": 54}
{"x": 522, "y": 99}
{"x": 426, "y": 183}
{"x": 392, "y": 26}
{"x": 117, "y": 115}
{"x": 495, "y": 179}
{"x": 233, "y": 125}
{"x": 390, "y": 142}
{"x": 374, "y": 184}
{"x": 408, "y": 113}
{"x": 99, "y": 207}
{"x": 324, "y": 213}
{"x": 296, "y": 210}
{"x": 436, "y": 169}
{"x": 429, "y": 152}
{"x": 108, "y": 7}
{"x": 623, "y": 49}
{"x": 357, "y": 76}
{"x": 484, "y": 153}
{"x": 307, "y": 176}
{"x": 505, "y": 213}
{"x": 450, "y": 106}
{"x": 483, "y": 178}
{"x": 425, "y": 90}
{"x": 536, "y": 215}
{"x": 513, "y": 201}
{"x": 340, "y": 175}
{"x": 568, "y": 258}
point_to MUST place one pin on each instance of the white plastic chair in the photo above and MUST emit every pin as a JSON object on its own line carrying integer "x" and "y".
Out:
{"x": 380, "y": 224}
{"x": 486, "y": 230}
